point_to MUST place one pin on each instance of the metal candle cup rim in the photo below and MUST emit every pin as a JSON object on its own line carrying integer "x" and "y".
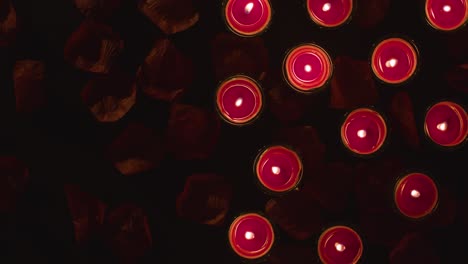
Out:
{"x": 232, "y": 27}
{"x": 327, "y": 231}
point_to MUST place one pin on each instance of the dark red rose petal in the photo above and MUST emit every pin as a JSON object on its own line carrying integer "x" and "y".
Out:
{"x": 98, "y": 8}
{"x": 297, "y": 254}
{"x": 14, "y": 176}
{"x": 414, "y": 248}
{"x": 87, "y": 212}
{"x": 8, "y": 23}
{"x": 456, "y": 45}
{"x": 28, "y": 76}
{"x": 234, "y": 55}
{"x": 402, "y": 113}
{"x": 170, "y": 16}
{"x": 457, "y": 78}
{"x": 127, "y": 232}
{"x": 192, "y": 132}
{"x": 205, "y": 199}
{"x": 109, "y": 97}
{"x": 93, "y": 47}
{"x": 445, "y": 212}
{"x": 352, "y": 84}
{"x": 370, "y": 13}
{"x": 166, "y": 72}
{"x": 136, "y": 149}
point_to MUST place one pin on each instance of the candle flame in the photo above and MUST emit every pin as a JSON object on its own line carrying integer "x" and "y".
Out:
{"x": 415, "y": 194}
{"x": 326, "y": 7}
{"x": 391, "y": 63}
{"x": 442, "y": 126}
{"x": 249, "y": 235}
{"x": 248, "y": 8}
{"x": 362, "y": 133}
{"x": 238, "y": 102}
{"x": 308, "y": 68}
{"x": 340, "y": 247}
{"x": 447, "y": 8}
{"x": 276, "y": 170}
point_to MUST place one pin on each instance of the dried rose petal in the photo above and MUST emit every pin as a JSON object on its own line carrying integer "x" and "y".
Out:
{"x": 370, "y": 13}
{"x": 306, "y": 141}
{"x": 14, "y": 176}
{"x": 331, "y": 186}
{"x": 170, "y": 16}
{"x": 8, "y": 23}
{"x": 192, "y": 132}
{"x": 28, "y": 76}
{"x": 414, "y": 248}
{"x": 297, "y": 254}
{"x": 237, "y": 55}
{"x": 205, "y": 199}
{"x": 98, "y": 8}
{"x": 109, "y": 98}
{"x": 298, "y": 214}
{"x": 166, "y": 72}
{"x": 352, "y": 84}
{"x": 402, "y": 113}
{"x": 87, "y": 212}
{"x": 136, "y": 149}
{"x": 457, "y": 78}
{"x": 93, "y": 47}
{"x": 127, "y": 232}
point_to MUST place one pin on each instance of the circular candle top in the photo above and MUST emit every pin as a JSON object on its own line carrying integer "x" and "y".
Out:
{"x": 446, "y": 14}
{"x": 279, "y": 169}
{"x": 340, "y": 245}
{"x": 446, "y": 124}
{"x": 394, "y": 60}
{"x": 251, "y": 236}
{"x": 364, "y": 131}
{"x": 416, "y": 195}
{"x": 307, "y": 67}
{"x": 239, "y": 100}
{"x": 329, "y": 13}
{"x": 247, "y": 17}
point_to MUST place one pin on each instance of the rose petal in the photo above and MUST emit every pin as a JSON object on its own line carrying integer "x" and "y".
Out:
{"x": 370, "y": 13}
{"x": 403, "y": 116}
{"x": 414, "y": 248}
{"x": 28, "y": 76}
{"x": 14, "y": 176}
{"x": 97, "y": 8}
{"x": 8, "y": 23}
{"x": 457, "y": 78}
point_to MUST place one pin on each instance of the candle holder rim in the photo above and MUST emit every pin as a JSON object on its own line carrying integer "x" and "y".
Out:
{"x": 261, "y": 32}
{"x": 351, "y": 227}
{"x": 460, "y": 27}
{"x": 346, "y": 22}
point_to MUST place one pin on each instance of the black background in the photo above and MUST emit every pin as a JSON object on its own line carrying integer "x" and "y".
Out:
{"x": 63, "y": 144}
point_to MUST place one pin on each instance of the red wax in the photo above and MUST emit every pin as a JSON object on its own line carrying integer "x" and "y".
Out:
{"x": 251, "y": 236}
{"x": 446, "y": 124}
{"x": 239, "y": 100}
{"x": 247, "y": 17}
{"x": 330, "y": 13}
{"x": 394, "y": 60}
{"x": 279, "y": 169}
{"x": 364, "y": 131}
{"x": 446, "y": 14}
{"x": 416, "y": 195}
{"x": 307, "y": 67}
{"x": 340, "y": 245}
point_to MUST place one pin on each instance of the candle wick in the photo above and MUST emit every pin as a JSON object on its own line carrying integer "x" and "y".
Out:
{"x": 391, "y": 63}
{"x": 238, "y": 102}
{"x": 442, "y": 126}
{"x": 362, "y": 133}
{"x": 326, "y": 7}
{"x": 276, "y": 170}
{"x": 249, "y": 235}
{"x": 308, "y": 68}
{"x": 248, "y": 8}
{"x": 415, "y": 194}
{"x": 447, "y": 8}
{"x": 340, "y": 247}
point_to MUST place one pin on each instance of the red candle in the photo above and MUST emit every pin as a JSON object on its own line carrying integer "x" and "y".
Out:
{"x": 364, "y": 131}
{"x": 239, "y": 100}
{"x": 278, "y": 169}
{"x": 251, "y": 236}
{"x": 446, "y": 14}
{"x": 247, "y": 17}
{"x": 330, "y": 13}
{"x": 416, "y": 195}
{"x": 446, "y": 124}
{"x": 394, "y": 60}
{"x": 340, "y": 245}
{"x": 307, "y": 67}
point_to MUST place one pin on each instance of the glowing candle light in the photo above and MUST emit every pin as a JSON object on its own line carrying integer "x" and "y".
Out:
{"x": 446, "y": 15}
{"x": 247, "y": 17}
{"x": 446, "y": 124}
{"x": 340, "y": 245}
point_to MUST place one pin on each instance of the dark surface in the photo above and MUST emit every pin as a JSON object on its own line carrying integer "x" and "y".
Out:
{"x": 62, "y": 144}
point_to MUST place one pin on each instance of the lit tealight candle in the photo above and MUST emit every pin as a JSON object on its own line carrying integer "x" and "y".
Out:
{"x": 239, "y": 100}
{"x": 251, "y": 236}
{"x": 446, "y": 15}
{"x": 340, "y": 245}
{"x": 329, "y": 13}
{"x": 394, "y": 60}
{"x": 446, "y": 124}
{"x": 278, "y": 169}
{"x": 416, "y": 195}
{"x": 247, "y": 17}
{"x": 364, "y": 131}
{"x": 307, "y": 67}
